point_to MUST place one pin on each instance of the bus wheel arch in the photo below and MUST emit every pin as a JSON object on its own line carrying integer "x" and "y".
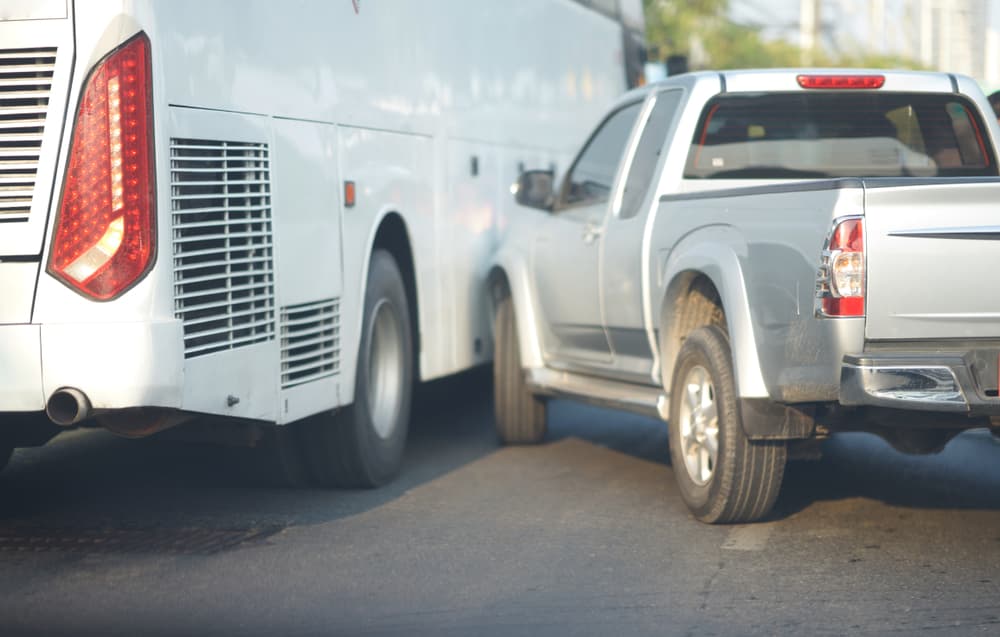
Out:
{"x": 393, "y": 237}
{"x": 361, "y": 444}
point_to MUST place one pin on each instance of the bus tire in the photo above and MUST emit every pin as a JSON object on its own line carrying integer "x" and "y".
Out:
{"x": 723, "y": 476}
{"x": 287, "y": 455}
{"x": 6, "y": 451}
{"x": 519, "y": 414}
{"x": 361, "y": 445}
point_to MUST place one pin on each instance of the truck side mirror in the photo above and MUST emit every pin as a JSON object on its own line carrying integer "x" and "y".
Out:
{"x": 534, "y": 189}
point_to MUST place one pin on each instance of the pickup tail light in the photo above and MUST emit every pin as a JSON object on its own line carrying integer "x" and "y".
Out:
{"x": 103, "y": 242}
{"x": 840, "y": 284}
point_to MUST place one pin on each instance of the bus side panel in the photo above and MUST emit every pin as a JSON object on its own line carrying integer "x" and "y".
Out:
{"x": 470, "y": 231}
{"x": 403, "y": 70}
{"x": 525, "y": 73}
{"x": 477, "y": 202}
{"x": 306, "y": 197}
{"x": 218, "y": 213}
{"x": 393, "y": 174}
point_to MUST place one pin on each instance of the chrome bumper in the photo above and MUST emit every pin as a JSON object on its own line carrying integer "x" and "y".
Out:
{"x": 941, "y": 383}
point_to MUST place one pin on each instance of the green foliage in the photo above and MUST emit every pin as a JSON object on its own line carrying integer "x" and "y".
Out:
{"x": 735, "y": 46}
{"x": 701, "y": 30}
{"x": 670, "y": 23}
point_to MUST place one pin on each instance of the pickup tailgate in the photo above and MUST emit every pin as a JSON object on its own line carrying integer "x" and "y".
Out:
{"x": 933, "y": 255}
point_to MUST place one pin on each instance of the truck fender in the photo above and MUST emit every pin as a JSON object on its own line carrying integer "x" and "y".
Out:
{"x": 509, "y": 269}
{"x": 715, "y": 253}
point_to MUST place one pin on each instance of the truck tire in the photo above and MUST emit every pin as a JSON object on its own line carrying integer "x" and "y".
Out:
{"x": 519, "y": 414}
{"x": 723, "y": 476}
{"x": 362, "y": 444}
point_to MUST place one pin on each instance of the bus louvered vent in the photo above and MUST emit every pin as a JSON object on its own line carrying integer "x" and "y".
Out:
{"x": 223, "y": 251}
{"x": 25, "y": 82}
{"x": 310, "y": 342}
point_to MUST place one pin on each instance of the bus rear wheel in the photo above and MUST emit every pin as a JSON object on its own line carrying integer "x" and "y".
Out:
{"x": 6, "y": 451}
{"x": 362, "y": 444}
{"x": 286, "y": 452}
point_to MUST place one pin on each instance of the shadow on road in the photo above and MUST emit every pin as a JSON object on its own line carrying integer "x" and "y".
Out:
{"x": 966, "y": 475}
{"x": 91, "y": 478}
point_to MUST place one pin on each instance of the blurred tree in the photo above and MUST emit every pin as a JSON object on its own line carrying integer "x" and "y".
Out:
{"x": 671, "y": 24}
{"x": 702, "y": 31}
{"x": 736, "y": 46}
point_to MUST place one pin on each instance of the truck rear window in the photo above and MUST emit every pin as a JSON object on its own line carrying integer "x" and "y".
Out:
{"x": 810, "y": 135}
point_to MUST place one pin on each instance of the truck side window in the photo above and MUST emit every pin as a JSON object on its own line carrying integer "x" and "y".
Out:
{"x": 648, "y": 151}
{"x": 590, "y": 179}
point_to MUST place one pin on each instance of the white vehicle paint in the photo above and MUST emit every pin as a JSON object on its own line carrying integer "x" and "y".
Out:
{"x": 261, "y": 113}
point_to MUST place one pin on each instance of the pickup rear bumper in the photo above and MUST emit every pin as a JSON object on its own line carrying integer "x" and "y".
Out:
{"x": 957, "y": 383}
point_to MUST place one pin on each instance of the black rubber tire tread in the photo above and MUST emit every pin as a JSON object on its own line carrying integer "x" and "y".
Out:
{"x": 519, "y": 414}
{"x": 701, "y": 307}
{"x": 342, "y": 448}
{"x": 6, "y": 451}
{"x": 285, "y": 448}
{"x": 747, "y": 477}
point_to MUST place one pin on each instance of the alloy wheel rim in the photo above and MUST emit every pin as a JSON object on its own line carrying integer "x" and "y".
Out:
{"x": 698, "y": 418}
{"x": 385, "y": 369}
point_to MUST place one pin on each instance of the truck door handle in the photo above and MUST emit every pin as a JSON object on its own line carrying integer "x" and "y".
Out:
{"x": 591, "y": 232}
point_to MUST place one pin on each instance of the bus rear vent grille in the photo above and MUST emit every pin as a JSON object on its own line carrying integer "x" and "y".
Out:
{"x": 223, "y": 261}
{"x": 310, "y": 342}
{"x": 25, "y": 82}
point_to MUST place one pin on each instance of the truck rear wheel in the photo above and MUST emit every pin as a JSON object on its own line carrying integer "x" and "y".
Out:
{"x": 519, "y": 414}
{"x": 362, "y": 444}
{"x": 723, "y": 476}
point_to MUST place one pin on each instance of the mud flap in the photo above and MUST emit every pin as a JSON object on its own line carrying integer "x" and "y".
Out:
{"x": 765, "y": 419}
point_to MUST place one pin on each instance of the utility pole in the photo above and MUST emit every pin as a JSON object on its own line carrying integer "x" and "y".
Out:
{"x": 809, "y": 21}
{"x": 877, "y": 33}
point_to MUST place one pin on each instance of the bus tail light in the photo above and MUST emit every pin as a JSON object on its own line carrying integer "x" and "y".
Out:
{"x": 840, "y": 284}
{"x": 103, "y": 241}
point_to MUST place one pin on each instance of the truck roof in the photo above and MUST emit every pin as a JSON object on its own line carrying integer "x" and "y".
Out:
{"x": 784, "y": 79}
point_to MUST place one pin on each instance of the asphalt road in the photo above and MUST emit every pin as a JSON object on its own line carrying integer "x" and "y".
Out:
{"x": 583, "y": 535}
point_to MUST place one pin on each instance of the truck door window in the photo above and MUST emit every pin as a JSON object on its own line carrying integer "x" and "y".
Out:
{"x": 647, "y": 152}
{"x": 805, "y": 135}
{"x": 590, "y": 179}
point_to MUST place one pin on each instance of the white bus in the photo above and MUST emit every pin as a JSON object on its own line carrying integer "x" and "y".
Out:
{"x": 277, "y": 213}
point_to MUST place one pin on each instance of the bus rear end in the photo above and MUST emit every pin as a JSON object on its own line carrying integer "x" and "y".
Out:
{"x": 81, "y": 331}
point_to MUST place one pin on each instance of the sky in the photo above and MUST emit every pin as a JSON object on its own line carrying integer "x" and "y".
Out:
{"x": 782, "y": 16}
{"x": 848, "y": 26}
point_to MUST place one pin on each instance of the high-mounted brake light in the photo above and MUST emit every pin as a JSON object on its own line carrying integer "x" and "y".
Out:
{"x": 840, "y": 285}
{"x": 841, "y": 81}
{"x": 104, "y": 237}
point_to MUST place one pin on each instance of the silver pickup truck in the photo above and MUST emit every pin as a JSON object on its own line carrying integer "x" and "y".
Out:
{"x": 760, "y": 258}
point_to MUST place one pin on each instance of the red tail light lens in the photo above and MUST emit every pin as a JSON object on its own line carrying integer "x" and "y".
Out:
{"x": 841, "y": 282}
{"x": 104, "y": 237}
{"x": 841, "y": 81}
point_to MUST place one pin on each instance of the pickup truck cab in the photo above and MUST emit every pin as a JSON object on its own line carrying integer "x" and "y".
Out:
{"x": 760, "y": 258}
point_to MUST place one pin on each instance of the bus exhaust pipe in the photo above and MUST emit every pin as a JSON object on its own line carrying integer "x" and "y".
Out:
{"x": 67, "y": 406}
